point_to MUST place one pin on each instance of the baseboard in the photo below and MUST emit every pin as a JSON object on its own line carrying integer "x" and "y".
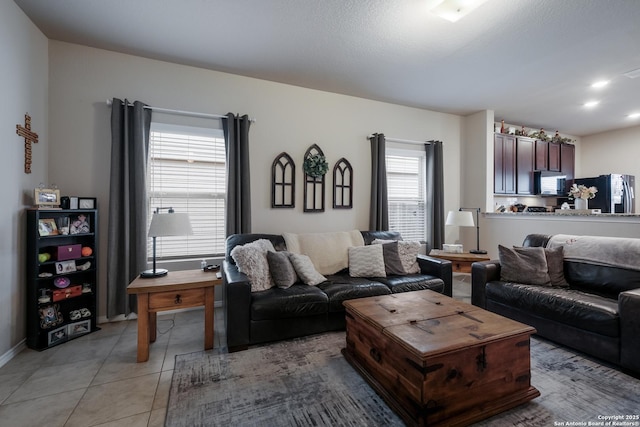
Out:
{"x": 5, "y": 358}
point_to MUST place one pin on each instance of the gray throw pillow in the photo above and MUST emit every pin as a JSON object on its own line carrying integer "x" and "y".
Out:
{"x": 392, "y": 262}
{"x": 305, "y": 269}
{"x": 555, "y": 263}
{"x": 281, "y": 269}
{"x": 524, "y": 265}
{"x": 251, "y": 259}
{"x": 366, "y": 261}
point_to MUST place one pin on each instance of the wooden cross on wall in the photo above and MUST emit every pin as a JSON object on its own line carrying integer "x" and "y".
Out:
{"x": 29, "y": 137}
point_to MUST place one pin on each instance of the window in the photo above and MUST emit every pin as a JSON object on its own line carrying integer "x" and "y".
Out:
{"x": 187, "y": 172}
{"x": 406, "y": 193}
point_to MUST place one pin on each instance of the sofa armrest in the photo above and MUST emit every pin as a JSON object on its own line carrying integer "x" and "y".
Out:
{"x": 629, "y": 310}
{"x": 440, "y": 268}
{"x": 237, "y": 291}
{"x": 483, "y": 272}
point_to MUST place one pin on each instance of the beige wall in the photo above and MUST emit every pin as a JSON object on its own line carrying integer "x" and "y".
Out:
{"x": 23, "y": 85}
{"x": 289, "y": 118}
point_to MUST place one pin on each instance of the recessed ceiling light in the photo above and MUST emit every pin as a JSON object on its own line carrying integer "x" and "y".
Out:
{"x": 591, "y": 104}
{"x": 600, "y": 84}
{"x": 634, "y": 115}
{"x": 453, "y": 10}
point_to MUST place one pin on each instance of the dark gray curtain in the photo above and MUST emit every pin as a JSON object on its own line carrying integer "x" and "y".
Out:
{"x": 236, "y": 139}
{"x": 127, "y": 231}
{"x": 379, "y": 209}
{"x": 435, "y": 195}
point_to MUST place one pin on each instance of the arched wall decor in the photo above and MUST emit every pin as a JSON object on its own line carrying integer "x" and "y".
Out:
{"x": 313, "y": 185}
{"x": 283, "y": 182}
{"x": 342, "y": 185}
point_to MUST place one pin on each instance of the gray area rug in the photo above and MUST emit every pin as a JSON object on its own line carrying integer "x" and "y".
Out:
{"x": 307, "y": 382}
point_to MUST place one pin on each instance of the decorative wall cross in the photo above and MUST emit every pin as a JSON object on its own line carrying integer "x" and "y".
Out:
{"x": 29, "y": 137}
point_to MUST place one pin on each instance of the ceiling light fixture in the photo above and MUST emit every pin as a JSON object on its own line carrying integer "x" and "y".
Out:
{"x": 591, "y": 104}
{"x": 634, "y": 115}
{"x": 453, "y": 10}
{"x": 600, "y": 84}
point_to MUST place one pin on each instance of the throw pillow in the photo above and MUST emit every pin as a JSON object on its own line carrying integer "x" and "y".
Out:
{"x": 524, "y": 265}
{"x": 555, "y": 263}
{"x": 366, "y": 261}
{"x": 392, "y": 262}
{"x": 281, "y": 269}
{"x": 305, "y": 269}
{"x": 408, "y": 251}
{"x": 251, "y": 259}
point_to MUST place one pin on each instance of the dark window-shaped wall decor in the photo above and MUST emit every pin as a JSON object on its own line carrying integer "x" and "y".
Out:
{"x": 283, "y": 182}
{"x": 342, "y": 185}
{"x": 313, "y": 185}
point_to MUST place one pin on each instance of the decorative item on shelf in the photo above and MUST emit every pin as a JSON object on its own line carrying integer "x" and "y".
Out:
{"x": 47, "y": 227}
{"x": 44, "y": 296}
{"x": 46, "y": 198}
{"x": 58, "y": 335}
{"x": 86, "y": 203}
{"x": 342, "y": 185}
{"x": 463, "y": 218}
{"x": 63, "y": 267}
{"x": 163, "y": 225}
{"x": 283, "y": 181}
{"x": 63, "y": 224}
{"x": 65, "y": 202}
{"x": 61, "y": 282}
{"x": 50, "y": 316}
{"x": 80, "y": 225}
{"x": 315, "y": 167}
{"x": 502, "y": 126}
{"x": 540, "y": 135}
{"x": 521, "y": 132}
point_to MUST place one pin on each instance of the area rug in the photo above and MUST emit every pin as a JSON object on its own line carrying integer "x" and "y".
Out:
{"x": 307, "y": 382}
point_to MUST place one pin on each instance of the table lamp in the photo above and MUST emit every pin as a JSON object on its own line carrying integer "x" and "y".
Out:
{"x": 167, "y": 224}
{"x": 464, "y": 218}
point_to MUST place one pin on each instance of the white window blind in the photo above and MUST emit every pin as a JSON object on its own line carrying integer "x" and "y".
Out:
{"x": 406, "y": 193}
{"x": 187, "y": 172}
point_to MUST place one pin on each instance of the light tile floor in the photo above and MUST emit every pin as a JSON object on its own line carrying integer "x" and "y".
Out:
{"x": 95, "y": 380}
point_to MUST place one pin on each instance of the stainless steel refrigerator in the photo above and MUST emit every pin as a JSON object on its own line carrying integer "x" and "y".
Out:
{"x": 615, "y": 192}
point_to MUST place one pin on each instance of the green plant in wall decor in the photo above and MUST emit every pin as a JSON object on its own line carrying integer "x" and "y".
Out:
{"x": 315, "y": 167}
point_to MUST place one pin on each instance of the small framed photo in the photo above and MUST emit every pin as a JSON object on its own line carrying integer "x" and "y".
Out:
{"x": 47, "y": 227}
{"x": 79, "y": 328}
{"x": 46, "y": 198}
{"x": 50, "y": 316}
{"x": 79, "y": 225}
{"x": 63, "y": 267}
{"x": 86, "y": 202}
{"x": 57, "y": 335}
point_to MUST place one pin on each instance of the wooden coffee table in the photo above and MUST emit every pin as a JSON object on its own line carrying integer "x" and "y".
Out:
{"x": 460, "y": 262}
{"x": 176, "y": 290}
{"x": 437, "y": 361}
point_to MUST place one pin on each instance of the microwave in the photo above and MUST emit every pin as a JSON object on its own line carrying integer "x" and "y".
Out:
{"x": 547, "y": 183}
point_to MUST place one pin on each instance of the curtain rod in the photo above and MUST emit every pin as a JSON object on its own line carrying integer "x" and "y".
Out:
{"x": 404, "y": 141}
{"x": 182, "y": 112}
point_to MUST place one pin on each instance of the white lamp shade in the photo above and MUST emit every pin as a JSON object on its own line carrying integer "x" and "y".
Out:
{"x": 170, "y": 224}
{"x": 460, "y": 219}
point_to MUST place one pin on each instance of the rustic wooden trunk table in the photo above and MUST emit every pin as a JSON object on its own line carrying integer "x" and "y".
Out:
{"x": 437, "y": 361}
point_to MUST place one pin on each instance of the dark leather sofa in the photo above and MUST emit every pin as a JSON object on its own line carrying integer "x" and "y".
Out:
{"x": 598, "y": 314}
{"x": 277, "y": 314}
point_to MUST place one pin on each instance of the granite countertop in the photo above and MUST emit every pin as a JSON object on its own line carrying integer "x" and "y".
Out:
{"x": 568, "y": 212}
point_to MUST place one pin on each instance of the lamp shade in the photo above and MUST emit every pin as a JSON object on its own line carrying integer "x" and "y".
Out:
{"x": 460, "y": 219}
{"x": 170, "y": 224}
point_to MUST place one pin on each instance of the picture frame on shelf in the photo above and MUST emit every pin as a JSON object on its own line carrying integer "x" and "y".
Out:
{"x": 79, "y": 225}
{"x": 50, "y": 316}
{"x": 57, "y": 335}
{"x": 63, "y": 267}
{"x": 73, "y": 202}
{"x": 46, "y": 198}
{"x": 86, "y": 202}
{"x": 47, "y": 227}
{"x": 79, "y": 328}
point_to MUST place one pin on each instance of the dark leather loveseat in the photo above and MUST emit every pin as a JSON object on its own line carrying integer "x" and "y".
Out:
{"x": 276, "y": 314}
{"x": 598, "y": 313}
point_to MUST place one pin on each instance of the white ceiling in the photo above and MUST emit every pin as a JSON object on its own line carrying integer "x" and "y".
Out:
{"x": 532, "y": 61}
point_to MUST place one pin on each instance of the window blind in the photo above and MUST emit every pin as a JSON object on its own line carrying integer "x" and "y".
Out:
{"x": 187, "y": 172}
{"x": 406, "y": 193}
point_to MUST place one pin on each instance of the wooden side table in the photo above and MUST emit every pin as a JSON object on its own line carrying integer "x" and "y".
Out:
{"x": 178, "y": 289}
{"x": 460, "y": 263}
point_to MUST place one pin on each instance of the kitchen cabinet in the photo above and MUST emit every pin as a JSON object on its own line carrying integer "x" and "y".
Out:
{"x": 542, "y": 155}
{"x": 554, "y": 156}
{"x": 525, "y": 151}
{"x": 504, "y": 167}
{"x": 567, "y": 162}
